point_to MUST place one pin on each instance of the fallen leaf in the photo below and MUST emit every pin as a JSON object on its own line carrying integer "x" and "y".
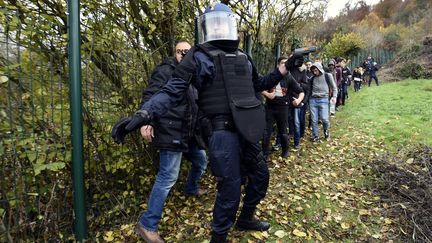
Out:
{"x": 410, "y": 161}
{"x": 299, "y": 233}
{"x": 345, "y": 225}
{"x": 280, "y": 233}
{"x": 387, "y": 221}
{"x": 258, "y": 235}
{"x": 109, "y": 236}
{"x": 364, "y": 212}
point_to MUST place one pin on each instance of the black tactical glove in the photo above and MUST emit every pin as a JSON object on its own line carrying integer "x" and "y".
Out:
{"x": 296, "y": 60}
{"x": 129, "y": 124}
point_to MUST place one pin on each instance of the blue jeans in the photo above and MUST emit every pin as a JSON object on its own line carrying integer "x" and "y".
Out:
{"x": 295, "y": 117}
{"x": 319, "y": 108}
{"x": 169, "y": 168}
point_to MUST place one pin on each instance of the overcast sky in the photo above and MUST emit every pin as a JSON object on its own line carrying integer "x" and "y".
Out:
{"x": 335, "y": 6}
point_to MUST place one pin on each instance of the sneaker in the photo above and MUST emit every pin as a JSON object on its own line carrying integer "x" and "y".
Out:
{"x": 332, "y": 114}
{"x": 315, "y": 139}
{"x": 297, "y": 146}
{"x": 147, "y": 235}
{"x": 276, "y": 147}
{"x": 327, "y": 134}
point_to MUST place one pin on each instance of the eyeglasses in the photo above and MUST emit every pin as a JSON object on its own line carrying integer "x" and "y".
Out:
{"x": 182, "y": 51}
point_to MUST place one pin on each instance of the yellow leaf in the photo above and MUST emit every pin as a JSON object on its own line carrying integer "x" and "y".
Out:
{"x": 387, "y": 221}
{"x": 410, "y": 161}
{"x": 3, "y": 79}
{"x": 299, "y": 209}
{"x": 280, "y": 233}
{"x": 299, "y": 233}
{"x": 109, "y": 236}
{"x": 257, "y": 235}
{"x": 364, "y": 212}
{"x": 345, "y": 225}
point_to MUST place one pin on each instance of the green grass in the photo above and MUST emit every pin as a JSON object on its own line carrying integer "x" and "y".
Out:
{"x": 398, "y": 113}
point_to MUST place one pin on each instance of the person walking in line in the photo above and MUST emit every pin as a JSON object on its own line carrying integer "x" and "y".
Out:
{"x": 321, "y": 85}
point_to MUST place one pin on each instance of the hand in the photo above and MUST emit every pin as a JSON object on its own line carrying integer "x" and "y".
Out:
{"x": 333, "y": 100}
{"x": 269, "y": 95}
{"x": 129, "y": 124}
{"x": 296, "y": 102}
{"x": 147, "y": 133}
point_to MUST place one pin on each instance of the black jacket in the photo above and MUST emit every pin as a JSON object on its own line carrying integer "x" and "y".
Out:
{"x": 175, "y": 129}
{"x": 289, "y": 88}
{"x": 302, "y": 79}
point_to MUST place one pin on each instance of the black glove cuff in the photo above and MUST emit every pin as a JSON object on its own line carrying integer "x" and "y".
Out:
{"x": 139, "y": 119}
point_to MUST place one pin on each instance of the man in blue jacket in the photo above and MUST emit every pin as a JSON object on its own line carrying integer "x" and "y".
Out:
{"x": 232, "y": 117}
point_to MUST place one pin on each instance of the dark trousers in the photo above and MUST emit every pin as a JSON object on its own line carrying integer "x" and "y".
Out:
{"x": 357, "y": 86}
{"x": 373, "y": 76}
{"x": 302, "y": 119}
{"x": 344, "y": 92}
{"x": 228, "y": 153}
{"x": 278, "y": 114}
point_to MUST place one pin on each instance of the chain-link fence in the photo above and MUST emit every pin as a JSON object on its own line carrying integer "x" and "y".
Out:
{"x": 35, "y": 129}
{"x": 35, "y": 146}
{"x": 381, "y": 57}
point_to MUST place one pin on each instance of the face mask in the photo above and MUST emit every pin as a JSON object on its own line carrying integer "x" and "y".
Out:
{"x": 302, "y": 68}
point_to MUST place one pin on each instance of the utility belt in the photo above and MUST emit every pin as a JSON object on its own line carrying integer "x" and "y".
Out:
{"x": 223, "y": 124}
{"x": 209, "y": 125}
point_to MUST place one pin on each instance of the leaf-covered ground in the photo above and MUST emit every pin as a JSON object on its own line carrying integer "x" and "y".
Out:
{"x": 320, "y": 192}
{"x": 323, "y": 192}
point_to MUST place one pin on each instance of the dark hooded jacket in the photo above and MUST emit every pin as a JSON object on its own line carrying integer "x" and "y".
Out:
{"x": 178, "y": 126}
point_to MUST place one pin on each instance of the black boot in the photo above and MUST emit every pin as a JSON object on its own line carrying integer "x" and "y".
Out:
{"x": 218, "y": 238}
{"x": 284, "y": 144}
{"x": 246, "y": 221}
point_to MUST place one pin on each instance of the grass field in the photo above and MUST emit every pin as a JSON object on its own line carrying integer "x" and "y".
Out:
{"x": 397, "y": 113}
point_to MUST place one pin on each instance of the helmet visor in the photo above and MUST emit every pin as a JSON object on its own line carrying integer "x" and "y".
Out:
{"x": 217, "y": 25}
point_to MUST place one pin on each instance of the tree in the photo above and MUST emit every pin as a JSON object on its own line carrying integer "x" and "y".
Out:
{"x": 344, "y": 45}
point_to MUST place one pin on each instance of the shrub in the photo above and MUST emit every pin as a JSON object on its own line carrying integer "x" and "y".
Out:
{"x": 413, "y": 70}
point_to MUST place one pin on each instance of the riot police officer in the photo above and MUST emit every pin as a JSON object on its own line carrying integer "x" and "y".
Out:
{"x": 232, "y": 117}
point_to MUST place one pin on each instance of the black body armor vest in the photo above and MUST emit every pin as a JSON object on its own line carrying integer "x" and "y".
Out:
{"x": 231, "y": 93}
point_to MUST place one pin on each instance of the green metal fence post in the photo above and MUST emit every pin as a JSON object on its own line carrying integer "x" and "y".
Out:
{"x": 277, "y": 52}
{"x": 248, "y": 46}
{"x": 196, "y": 35}
{"x": 74, "y": 56}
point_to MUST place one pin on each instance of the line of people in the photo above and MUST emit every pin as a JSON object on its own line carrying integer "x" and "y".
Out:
{"x": 209, "y": 96}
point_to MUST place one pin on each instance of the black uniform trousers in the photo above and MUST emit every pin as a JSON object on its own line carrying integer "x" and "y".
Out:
{"x": 231, "y": 158}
